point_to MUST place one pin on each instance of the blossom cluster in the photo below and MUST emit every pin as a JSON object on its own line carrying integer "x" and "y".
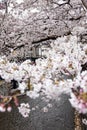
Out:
{"x": 24, "y": 109}
{"x": 79, "y": 93}
{"x": 52, "y": 75}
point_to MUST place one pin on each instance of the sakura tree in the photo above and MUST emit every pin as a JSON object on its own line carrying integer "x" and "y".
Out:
{"x": 59, "y": 72}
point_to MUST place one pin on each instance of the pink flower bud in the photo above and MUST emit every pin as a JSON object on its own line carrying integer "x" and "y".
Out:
{"x": 86, "y": 104}
{"x": 16, "y": 101}
{"x": 9, "y": 108}
{"x": 2, "y": 108}
{"x": 2, "y": 104}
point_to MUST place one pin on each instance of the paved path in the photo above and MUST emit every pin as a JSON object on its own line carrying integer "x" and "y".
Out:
{"x": 58, "y": 117}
